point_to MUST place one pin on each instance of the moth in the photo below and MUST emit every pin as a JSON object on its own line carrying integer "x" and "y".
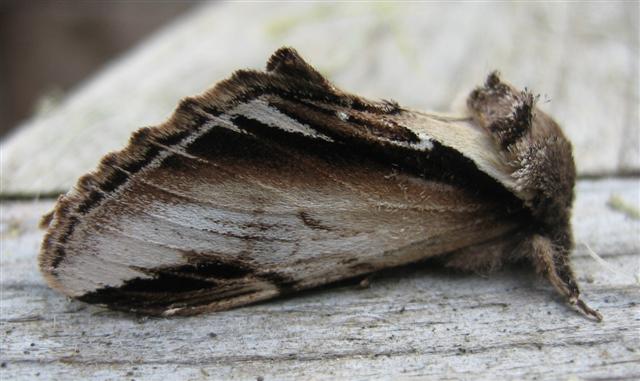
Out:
{"x": 277, "y": 181}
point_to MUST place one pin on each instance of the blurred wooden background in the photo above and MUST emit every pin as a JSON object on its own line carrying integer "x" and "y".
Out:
{"x": 49, "y": 46}
{"x": 411, "y": 323}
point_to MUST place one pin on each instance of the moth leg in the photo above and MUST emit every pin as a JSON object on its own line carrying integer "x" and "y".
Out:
{"x": 365, "y": 282}
{"x": 485, "y": 257}
{"x": 552, "y": 261}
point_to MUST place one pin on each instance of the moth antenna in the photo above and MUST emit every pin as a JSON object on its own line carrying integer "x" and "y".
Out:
{"x": 608, "y": 265}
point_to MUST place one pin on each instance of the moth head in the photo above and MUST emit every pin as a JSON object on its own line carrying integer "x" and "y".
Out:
{"x": 497, "y": 103}
{"x": 539, "y": 155}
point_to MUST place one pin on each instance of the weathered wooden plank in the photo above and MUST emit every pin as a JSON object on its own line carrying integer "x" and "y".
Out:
{"x": 410, "y": 323}
{"x": 583, "y": 57}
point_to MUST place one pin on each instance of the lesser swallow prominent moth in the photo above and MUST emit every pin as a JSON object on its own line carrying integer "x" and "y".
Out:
{"x": 277, "y": 181}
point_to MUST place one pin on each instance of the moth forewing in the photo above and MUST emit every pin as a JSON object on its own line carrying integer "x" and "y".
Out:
{"x": 273, "y": 182}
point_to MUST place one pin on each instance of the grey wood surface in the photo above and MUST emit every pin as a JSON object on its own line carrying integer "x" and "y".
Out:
{"x": 583, "y": 58}
{"x": 412, "y": 323}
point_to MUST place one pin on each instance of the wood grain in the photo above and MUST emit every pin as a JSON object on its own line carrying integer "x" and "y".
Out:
{"x": 410, "y": 323}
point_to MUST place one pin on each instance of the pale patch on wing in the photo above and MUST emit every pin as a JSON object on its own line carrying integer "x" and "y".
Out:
{"x": 108, "y": 259}
{"x": 425, "y": 143}
{"x": 469, "y": 140}
{"x": 225, "y": 122}
{"x": 260, "y": 110}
